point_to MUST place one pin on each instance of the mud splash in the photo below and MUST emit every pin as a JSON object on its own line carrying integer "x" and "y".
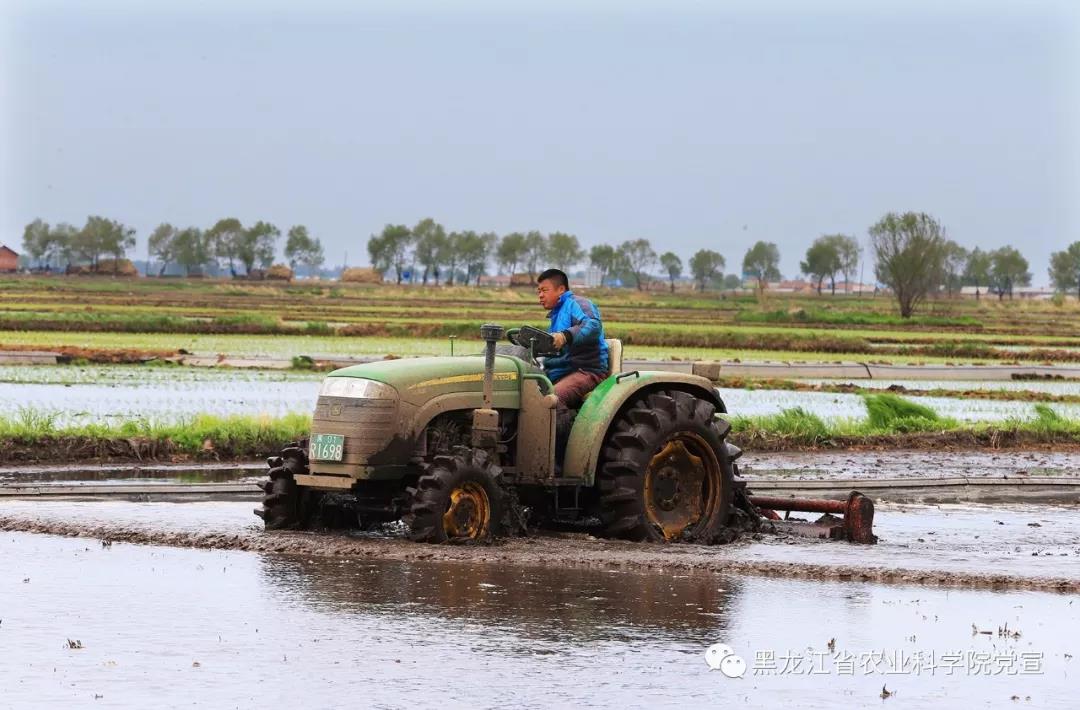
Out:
{"x": 561, "y": 551}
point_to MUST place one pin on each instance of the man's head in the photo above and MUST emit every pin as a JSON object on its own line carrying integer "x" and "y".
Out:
{"x": 551, "y": 284}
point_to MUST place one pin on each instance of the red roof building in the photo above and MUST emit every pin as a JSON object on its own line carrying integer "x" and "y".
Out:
{"x": 9, "y": 260}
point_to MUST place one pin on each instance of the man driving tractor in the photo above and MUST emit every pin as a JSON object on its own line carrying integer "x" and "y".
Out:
{"x": 582, "y": 362}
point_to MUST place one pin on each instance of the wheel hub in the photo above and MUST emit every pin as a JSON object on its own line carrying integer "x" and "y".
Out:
{"x": 469, "y": 514}
{"x": 666, "y": 488}
{"x": 676, "y": 485}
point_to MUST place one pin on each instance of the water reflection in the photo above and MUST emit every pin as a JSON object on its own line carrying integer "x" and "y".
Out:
{"x": 581, "y": 604}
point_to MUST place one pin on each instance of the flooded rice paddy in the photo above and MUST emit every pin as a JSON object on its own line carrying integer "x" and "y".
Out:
{"x": 76, "y": 395}
{"x": 838, "y": 406}
{"x": 1060, "y": 387}
{"x": 945, "y": 610}
{"x": 81, "y": 395}
{"x": 84, "y": 624}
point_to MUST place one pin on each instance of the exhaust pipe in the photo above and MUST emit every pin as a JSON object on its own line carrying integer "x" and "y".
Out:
{"x": 485, "y": 425}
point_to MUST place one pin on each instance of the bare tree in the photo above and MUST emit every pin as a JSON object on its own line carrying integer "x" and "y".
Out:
{"x": 639, "y": 256}
{"x": 910, "y": 252}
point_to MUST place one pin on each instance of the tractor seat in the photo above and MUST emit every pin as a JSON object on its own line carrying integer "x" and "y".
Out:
{"x": 614, "y": 353}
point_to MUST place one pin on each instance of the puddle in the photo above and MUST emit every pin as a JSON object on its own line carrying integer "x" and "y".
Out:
{"x": 239, "y": 629}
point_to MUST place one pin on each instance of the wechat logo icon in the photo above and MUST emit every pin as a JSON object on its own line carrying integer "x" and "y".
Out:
{"x": 721, "y": 657}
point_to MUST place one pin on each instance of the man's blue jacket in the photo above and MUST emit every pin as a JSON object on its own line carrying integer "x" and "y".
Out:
{"x": 579, "y": 320}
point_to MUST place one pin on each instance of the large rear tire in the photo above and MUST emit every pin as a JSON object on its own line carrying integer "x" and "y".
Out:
{"x": 665, "y": 472}
{"x": 457, "y": 499}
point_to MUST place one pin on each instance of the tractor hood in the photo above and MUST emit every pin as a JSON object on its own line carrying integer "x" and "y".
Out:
{"x": 424, "y": 377}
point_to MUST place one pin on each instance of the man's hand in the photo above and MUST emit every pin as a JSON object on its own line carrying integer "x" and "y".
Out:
{"x": 559, "y": 340}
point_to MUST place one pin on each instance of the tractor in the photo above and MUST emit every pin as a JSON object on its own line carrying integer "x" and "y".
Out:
{"x": 468, "y": 448}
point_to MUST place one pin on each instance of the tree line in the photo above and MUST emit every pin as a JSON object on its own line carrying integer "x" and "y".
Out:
{"x": 915, "y": 259}
{"x": 427, "y": 251}
{"x": 912, "y": 255}
{"x": 227, "y": 243}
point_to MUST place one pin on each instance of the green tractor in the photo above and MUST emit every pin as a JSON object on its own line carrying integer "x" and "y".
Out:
{"x": 463, "y": 449}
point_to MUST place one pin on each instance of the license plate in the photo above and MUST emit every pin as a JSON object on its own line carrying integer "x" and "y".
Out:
{"x": 327, "y": 447}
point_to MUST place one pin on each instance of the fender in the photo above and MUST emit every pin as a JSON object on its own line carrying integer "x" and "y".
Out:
{"x": 603, "y": 406}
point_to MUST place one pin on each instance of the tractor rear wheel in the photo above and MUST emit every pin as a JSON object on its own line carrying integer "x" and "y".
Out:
{"x": 457, "y": 499}
{"x": 666, "y": 473}
{"x": 287, "y": 506}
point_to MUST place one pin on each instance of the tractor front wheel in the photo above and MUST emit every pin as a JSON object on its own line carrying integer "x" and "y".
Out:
{"x": 457, "y": 499}
{"x": 666, "y": 474}
{"x": 287, "y": 506}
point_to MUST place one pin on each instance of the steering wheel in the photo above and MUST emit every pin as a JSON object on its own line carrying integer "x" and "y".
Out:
{"x": 540, "y": 343}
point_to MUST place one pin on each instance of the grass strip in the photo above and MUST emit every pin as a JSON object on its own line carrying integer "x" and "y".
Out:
{"x": 892, "y": 422}
{"x": 33, "y": 435}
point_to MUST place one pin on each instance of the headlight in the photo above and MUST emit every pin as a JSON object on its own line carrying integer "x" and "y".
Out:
{"x": 357, "y": 388}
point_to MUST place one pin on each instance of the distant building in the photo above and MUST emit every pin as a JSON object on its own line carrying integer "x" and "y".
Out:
{"x": 9, "y": 260}
{"x": 1030, "y": 293}
{"x": 497, "y": 280}
{"x": 1035, "y": 293}
{"x": 845, "y": 287}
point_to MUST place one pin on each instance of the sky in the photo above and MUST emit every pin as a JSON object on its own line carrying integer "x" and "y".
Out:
{"x": 692, "y": 124}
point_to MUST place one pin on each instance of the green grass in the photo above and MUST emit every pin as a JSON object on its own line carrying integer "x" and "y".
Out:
{"x": 888, "y": 413}
{"x": 200, "y": 435}
{"x": 889, "y": 422}
{"x": 795, "y": 425}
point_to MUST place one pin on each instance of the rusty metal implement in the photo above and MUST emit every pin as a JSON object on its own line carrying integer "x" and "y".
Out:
{"x": 855, "y": 525}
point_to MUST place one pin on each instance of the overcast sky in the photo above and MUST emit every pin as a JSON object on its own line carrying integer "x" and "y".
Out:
{"x": 686, "y": 124}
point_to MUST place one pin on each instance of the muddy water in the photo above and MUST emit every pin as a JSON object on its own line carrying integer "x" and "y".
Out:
{"x": 216, "y": 472}
{"x": 1014, "y": 545}
{"x": 898, "y": 463}
{"x": 167, "y": 627}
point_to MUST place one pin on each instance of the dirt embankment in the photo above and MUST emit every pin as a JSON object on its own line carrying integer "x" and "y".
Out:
{"x": 102, "y": 356}
{"x": 563, "y": 552}
{"x": 69, "y": 449}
